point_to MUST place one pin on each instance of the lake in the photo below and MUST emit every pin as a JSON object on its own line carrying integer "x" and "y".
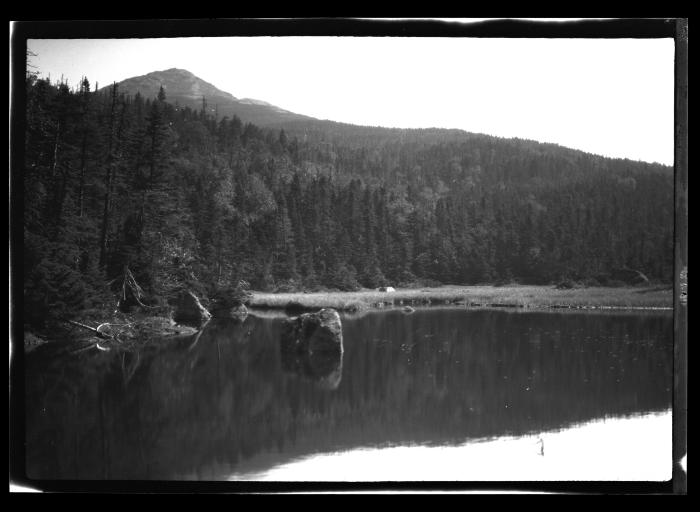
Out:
{"x": 440, "y": 394}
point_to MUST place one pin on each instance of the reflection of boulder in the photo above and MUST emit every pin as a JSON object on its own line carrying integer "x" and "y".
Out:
{"x": 311, "y": 345}
{"x": 325, "y": 369}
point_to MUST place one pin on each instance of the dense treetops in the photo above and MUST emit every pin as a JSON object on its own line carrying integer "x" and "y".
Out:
{"x": 118, "y": 186}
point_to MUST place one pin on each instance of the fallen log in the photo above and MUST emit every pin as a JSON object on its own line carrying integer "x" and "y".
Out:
{"x": 92, "y": 329}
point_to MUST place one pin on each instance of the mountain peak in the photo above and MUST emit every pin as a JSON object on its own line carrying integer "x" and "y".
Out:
{"x": 187, "y": 89}
{"x": 172, "y": 72}
{"x": 178, "y": 83}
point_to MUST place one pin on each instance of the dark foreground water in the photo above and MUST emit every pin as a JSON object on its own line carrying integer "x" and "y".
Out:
{"x": 442, "y": 394}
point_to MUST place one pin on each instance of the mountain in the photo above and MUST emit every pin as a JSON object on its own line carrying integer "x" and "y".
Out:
{"x": 186, "y": 89}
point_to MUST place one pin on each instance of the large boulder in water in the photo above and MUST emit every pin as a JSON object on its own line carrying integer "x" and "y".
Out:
{"x": 189, "y": 311}
{"x": 312, "y": 346}
{"x": 314, "y": 332}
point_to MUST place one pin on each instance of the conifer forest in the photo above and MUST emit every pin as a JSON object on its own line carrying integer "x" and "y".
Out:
{"x": 122, "y": 189}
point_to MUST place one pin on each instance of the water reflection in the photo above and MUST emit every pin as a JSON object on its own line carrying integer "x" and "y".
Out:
{"x": 636, "y": 448}
{"x": 228, "y": 402}
{"x": 324, "y": 368}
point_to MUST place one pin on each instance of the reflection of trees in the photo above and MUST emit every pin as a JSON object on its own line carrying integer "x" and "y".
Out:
{"x": 179, "y": 409}
{"x": 486, "y": 373}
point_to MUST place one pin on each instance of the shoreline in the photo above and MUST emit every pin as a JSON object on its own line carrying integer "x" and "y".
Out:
{"x": 474, "y": 297}
{"x": 516, "y": 297}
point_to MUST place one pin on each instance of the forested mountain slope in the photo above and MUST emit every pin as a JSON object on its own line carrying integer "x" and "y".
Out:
{"x": 117, "y": 185}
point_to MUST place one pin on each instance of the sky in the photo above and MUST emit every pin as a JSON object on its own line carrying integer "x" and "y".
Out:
{"x": 612, "y": 97}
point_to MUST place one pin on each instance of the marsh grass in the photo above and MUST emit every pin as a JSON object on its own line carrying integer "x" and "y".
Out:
{"x": 476, "y": 296}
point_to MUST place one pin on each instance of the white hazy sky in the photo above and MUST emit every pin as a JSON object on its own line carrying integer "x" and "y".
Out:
{"x": 607, "y": 96}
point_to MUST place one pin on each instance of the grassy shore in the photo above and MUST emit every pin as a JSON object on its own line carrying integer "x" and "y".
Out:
{"x": 651, "y": 297}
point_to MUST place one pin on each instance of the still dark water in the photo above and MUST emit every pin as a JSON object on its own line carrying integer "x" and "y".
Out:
{"x": 229, "y": 406}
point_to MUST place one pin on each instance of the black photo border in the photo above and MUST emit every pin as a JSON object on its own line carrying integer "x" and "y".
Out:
{"x": 21, "y": 31}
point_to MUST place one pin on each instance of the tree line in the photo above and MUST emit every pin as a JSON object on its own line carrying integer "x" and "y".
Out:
{"x": 135, "y": 198}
